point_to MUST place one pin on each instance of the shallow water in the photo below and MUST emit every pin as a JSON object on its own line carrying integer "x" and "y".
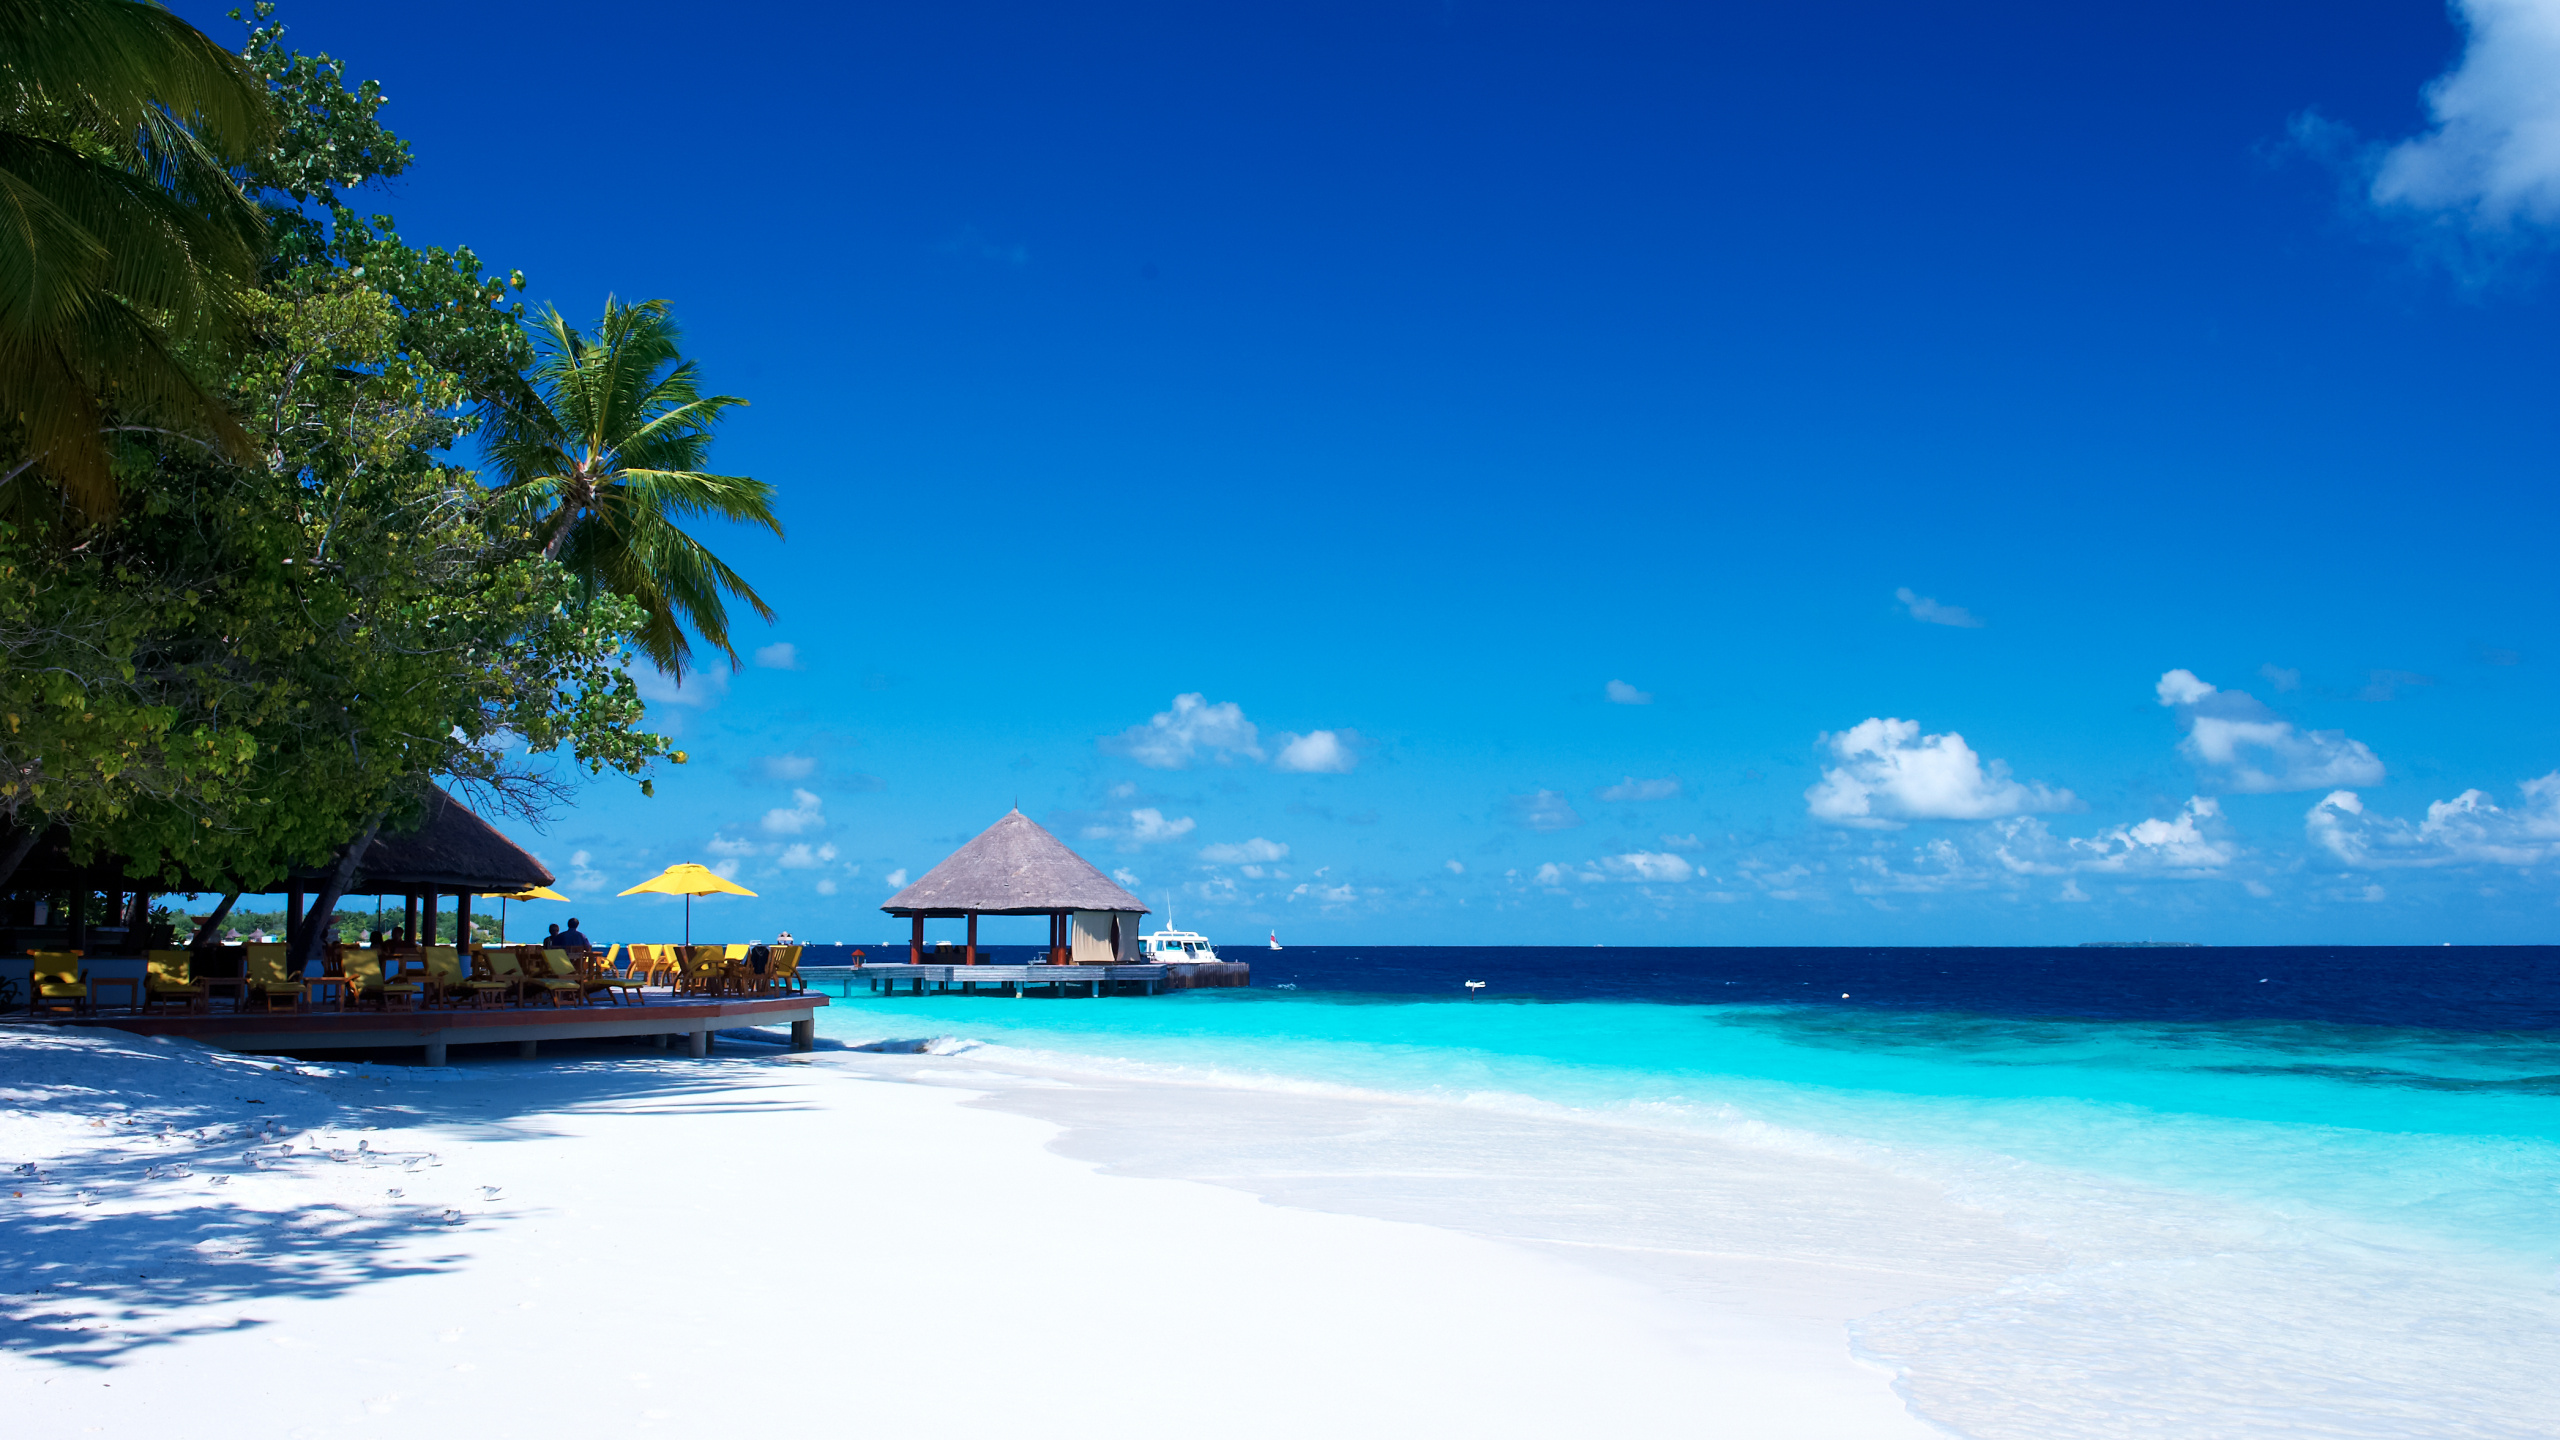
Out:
{"x": 2276, "y": 1215}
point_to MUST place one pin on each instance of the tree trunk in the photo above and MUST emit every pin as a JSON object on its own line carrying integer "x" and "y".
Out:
{"x": 209, "y": 934}
{"x": 18, "y": 850}
{"x": 321, "y": 918}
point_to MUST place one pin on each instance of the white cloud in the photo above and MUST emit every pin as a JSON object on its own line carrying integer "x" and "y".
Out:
{"x": 806, "y": 814}
{"x": 702, "y": 689}
{"x": 723, "y": 845}
{"x": 2466, "y": 830}
{"x": 2246, "y": 747}
{"x": 1890, "y": 773}
{"x": 896, "y": 879}
{"x": 2280, "y": 677}
{"x": 826, "y": 887}
{"x": 726, "y": 869}
{"x": 1127, "y": 877}
{"x": 1256, "y": 851}
{"x": 582, "y": 876}
{"x": 2179, "y": 845}
{"x": 1550, "y": 874}
{"x": 1327, "y": 895}
{"x": 1681, "y": 842}
{"x": 783, "y": 656}
{"x": 1172, "y": 739}
{"x": 2493, "y": 154}
{"x": 1648, "y": 865}
{"x": 1318, "y": 752}
{"x": 1930, "y": 612}
{"x": 802, "y": 857}
{"x": 787, "y": 767}
{"x": 1544, "y": 811}
{"x": 2072, "y": 892}
{"x": 1632, "y": 788}
{"x": 1145, "y": 827}
{"x": 1622, "y": 693}
{"x": 1455, "y": 867}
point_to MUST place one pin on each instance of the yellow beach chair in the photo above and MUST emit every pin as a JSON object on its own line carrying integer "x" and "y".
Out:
{"x": 56, "y": 983}
{"x": 269, "y": 980}
{"x": 172, "y": 982}
{"x": 549, "y": 973}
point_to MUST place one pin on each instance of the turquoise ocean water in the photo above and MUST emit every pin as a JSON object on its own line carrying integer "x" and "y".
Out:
{"x": 2270, "y": 1223}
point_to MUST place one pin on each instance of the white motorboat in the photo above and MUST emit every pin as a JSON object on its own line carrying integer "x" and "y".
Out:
{"x": 1176, "y": 947}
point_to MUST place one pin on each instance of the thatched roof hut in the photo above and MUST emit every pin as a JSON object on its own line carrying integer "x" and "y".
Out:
{"x": 1016, "y": 868}
{"x": 451, "y": 851}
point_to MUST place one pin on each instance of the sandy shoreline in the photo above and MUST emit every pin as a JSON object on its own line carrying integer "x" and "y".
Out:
{"x": 611, "y": 1242}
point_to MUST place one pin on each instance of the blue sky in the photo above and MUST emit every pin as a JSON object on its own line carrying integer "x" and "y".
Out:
{"x": 1539, "y": 473}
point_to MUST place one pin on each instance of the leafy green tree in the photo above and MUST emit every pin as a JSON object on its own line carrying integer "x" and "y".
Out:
{"x": 607, "y": 455}
{"x": 123, "y": 233}
{"x": 260, "y": 664}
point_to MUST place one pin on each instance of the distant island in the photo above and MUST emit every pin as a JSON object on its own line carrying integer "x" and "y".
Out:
{"x": 2141, "y": 944}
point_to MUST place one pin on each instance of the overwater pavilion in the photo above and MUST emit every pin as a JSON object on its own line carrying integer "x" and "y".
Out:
{"x": 1016, "y": 868}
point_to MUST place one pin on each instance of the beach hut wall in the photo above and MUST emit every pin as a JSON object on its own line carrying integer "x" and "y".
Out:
{"x": 1103, "y": 937}
{"x": 1016, "y": 868}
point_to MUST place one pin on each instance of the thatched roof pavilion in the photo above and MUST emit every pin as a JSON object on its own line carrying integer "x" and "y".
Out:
{"x": 1016, "y": 868}
{"x": 450, "y": 852}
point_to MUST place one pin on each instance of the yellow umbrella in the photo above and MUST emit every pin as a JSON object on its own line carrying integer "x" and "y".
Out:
{"x": 538, "y": 892}
{"x": 689, "y": 880}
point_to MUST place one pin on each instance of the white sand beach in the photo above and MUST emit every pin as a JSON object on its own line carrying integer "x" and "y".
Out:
{"x": 614, "y": 1242}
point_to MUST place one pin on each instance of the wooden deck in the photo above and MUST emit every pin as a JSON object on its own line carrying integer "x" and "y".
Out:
{"x": 1088, "y": 980}
{"x": 436, "y": 1031}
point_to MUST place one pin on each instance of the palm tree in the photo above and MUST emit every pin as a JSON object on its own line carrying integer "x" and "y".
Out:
{"x": 122, "y": 230}
{"x": 605, "y": 455}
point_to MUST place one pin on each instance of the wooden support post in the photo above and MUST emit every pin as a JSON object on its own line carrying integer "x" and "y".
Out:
{"x": 973, "y": 939}
{"x": 525, "y": 1049}
{"x": 435, "y": 1049}
{"x": 804, "y": 1034}
{"x": 427, "y": 919}
{"x": 293, "y": 916}
{"x": 462, "y": 920}
{"x": 915, "y": 944}
{"x": 700, "y": 1043}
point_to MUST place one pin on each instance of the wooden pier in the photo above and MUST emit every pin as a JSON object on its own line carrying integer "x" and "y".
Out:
{"x": 1088, "y": 980}
{"x": 436, "y": 1031}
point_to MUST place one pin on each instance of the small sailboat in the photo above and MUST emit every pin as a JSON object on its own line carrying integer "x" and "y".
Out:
{"x": 1275, "y": 939}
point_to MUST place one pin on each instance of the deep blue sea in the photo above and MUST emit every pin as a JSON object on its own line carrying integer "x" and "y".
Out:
{"x": 2354, "y": 1149}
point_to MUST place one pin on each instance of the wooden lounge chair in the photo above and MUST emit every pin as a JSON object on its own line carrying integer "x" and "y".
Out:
{"x": 446, "y": 980}
{"x": 601, "y": 976}
{"x": 549, "y": 974}
{"x": 706, "y": 970}
{"x": 56, "y": 983}
{"x": 494, "y": 973}
{"x": 654, "y": 964}
{"x": 367, "y": 985}
{"x": 173, "y": 982}
{"x": 782, "y": 972}
{"x": 270, "y": 982}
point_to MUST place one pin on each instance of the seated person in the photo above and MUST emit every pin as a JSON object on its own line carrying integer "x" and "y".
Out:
{"x": 570, "y": 939}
